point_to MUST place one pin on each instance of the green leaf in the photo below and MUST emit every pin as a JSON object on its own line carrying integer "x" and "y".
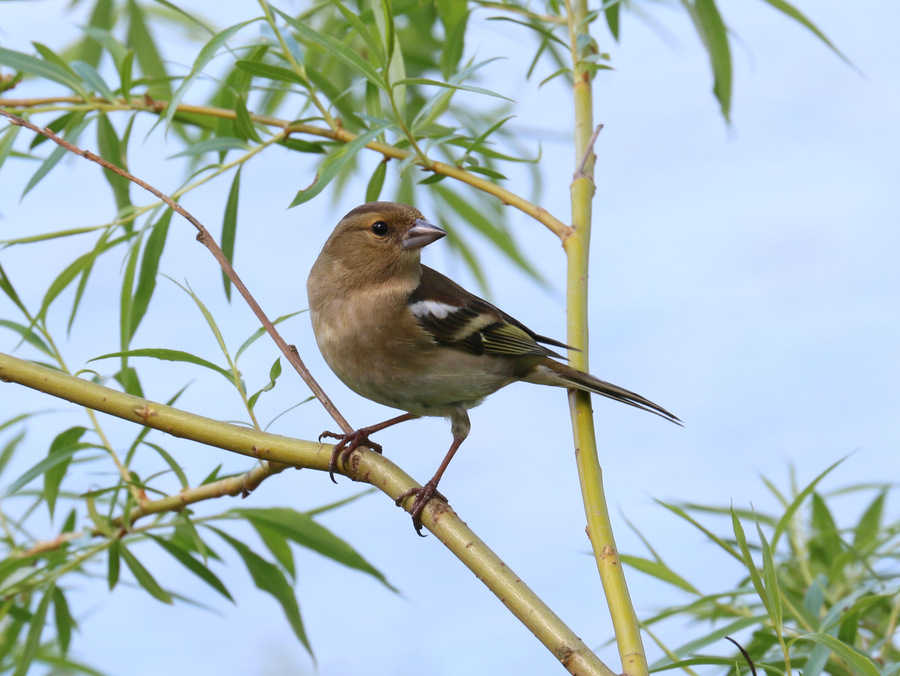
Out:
{"x": 611, "y": 10}
{"x": 771, "y": 581}
{"x": 74, "y": 127}
{"x": 869, "y": 524}
{"x": 113, "y": 152}
{"x": 146, "y": 279}
{"x": 859, "y": 663}
{"x": 337, "y": 49}
{"x": 797, "y": 15}
{"x": 41, "y": 467}
{"x": 189, "y": 562}
{"x": 494, "y": 231}
{"x": 269, "y": 578}
{"x": 376, "y": 48}
{"x": 148, "y": 56}
{"x": 125, "y": 71}
{"x": 7, "y": 138}
{"x": 692, "y": 647}
{"x": 270, "y": 72}
{"x": 10, "y": 448}
{"x": 219, "y": 144}
{"x": 42, "y": 68}
{"x": 276, "y": 543}
{"x": 113, "y": 563}
{"x": 301, "y": 146}
{"x": 260, "y": 332}
{"x": 64, "y": 620}
{"x": 169, "y": 460}
{"x": 274, "y": 372}
{"x": 304, "y": 530}
{"x": 660, "y": 571}
{"x": 454, "y": 16}
{"x": 208, "y": 52}
{"x": 385, "y": 22}
{"x": 229, "y": 227}
{"x": 93, "y": 79}
{"x": 712, "y": 31}
{"x": 826, "y": 544}
{"x": 335, "y": 162}
{"x": 243, "y": 123}
{"x": 28, "y": 335}
{"x": 211, "y": 322}
{"x": 785, "y": 521}
{"x": 450, "y": 85}
{"x": 750, "y": 565}
{"x": 168, "y": 355}
{"x": 101, "y": 21}
{"x": 376, "y": 182}
{"x": 102, "y": 36}
{"x": 36, "y": 628}
{"x": 63, "y": 442}
{"x": 144, "y": 578}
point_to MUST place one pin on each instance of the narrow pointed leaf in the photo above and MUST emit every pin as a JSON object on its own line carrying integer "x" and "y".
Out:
{"x": 36, "y": 628}
{"x": 63, "y": 442}
{"x": 208, "y": 52}
{"x": 168, "y": 355}
{"x": 269, "y": 578}
{"x": 335, "y": 162}
{"x": 146, "y": 279}
{"x": 229, "y": 227}
{"x": 450, "y": 85}
{"x": 144, "y": 578}
{"x": 337, "y": 49}
{"x": 189, "y": 562}
{"x": 305, "y": 531}
{"x": 860, "y": 664}
{"x": 94, "y": 80}
{"x": 41, "y": 68}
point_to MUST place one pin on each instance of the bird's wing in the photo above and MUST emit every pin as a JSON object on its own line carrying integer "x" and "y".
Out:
{"x": 459, "y": 319}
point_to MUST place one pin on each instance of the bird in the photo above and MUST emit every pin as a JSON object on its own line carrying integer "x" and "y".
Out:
{"x": 402, "y": 334}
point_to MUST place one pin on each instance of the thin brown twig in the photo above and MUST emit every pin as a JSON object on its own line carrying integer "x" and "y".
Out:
{"x": 589, "y": 150}
{"x": 205, "y": 238}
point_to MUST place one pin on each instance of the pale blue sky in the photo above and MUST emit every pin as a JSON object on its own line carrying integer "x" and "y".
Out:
{"x": 745, "y": 278}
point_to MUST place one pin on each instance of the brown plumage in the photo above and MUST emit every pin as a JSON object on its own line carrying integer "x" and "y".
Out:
{"x": 403, "y": 335}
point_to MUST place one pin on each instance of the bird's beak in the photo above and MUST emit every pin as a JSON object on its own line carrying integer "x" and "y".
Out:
{"x": 422, "y": 234}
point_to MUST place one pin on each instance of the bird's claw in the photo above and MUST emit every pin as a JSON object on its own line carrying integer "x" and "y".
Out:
{"x": 347, "y": 443}
{"x": 423, "y": 494}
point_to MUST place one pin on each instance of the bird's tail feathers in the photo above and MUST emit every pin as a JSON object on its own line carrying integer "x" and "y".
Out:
{"x": 550, "y": 372}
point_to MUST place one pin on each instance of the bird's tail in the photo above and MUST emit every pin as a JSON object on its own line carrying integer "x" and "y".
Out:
{"x": 550, "y": 372}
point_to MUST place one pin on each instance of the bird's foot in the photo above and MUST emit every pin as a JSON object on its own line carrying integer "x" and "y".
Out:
{"x": 347, "y": 443}
{"x": 423, "y": 494}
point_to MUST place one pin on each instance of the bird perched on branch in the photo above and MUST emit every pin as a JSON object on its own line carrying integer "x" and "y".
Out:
{"x": 403, "y": 335}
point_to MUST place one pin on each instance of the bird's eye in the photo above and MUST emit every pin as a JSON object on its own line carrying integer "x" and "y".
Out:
{"x": 380, "y": 228}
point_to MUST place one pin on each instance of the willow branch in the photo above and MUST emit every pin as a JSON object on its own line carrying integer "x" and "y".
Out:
{"x": 365, "y": 466}
{"x": 551, "y": 222}
{"x": 577, "y": 247}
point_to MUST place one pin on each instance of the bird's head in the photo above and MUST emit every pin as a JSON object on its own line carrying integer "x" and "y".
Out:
{"x": 380, "y": 239}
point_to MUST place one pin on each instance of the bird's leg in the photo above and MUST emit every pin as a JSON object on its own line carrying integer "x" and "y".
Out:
{"x": 349, "y": 442}
{"x": 429, "y": 490}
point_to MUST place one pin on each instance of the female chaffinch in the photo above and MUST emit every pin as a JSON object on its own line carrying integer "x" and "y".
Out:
{"x": 403, "y": 335}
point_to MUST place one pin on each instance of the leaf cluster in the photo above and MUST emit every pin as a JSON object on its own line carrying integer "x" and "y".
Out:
{"x": 815, "y": 597}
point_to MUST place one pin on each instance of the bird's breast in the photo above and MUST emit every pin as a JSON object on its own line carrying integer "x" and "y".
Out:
{"x": 386, "y": 357}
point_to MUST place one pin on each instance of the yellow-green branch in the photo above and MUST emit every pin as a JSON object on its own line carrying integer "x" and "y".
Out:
{"x": 577, "y": 247}
{"x": 365, "y": 466}
{"x": 147, "y": 104}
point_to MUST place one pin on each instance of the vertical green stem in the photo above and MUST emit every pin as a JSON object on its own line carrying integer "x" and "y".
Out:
{"x": 577, "y": 247}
